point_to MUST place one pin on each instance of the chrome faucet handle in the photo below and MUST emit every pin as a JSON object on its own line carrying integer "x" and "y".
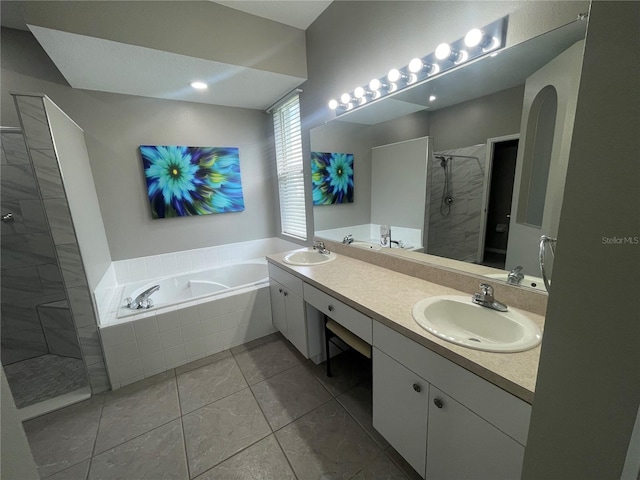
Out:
{"x": 486, "y": 290}
{"x": 348, "y": 239}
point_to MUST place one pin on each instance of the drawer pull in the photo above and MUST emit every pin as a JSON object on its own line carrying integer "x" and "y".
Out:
{"x": 280, "y": 290}
{"x": 438, "y": 403}
{"x": 286, "y": 293}
{"x": 417, "y": 387}
{"x": 331, "y": 308}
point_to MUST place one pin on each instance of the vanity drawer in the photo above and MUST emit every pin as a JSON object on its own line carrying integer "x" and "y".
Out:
{"x": 291, "y": 282}
{"x": 346, "y": 316}
{"x": 503, "y": 410}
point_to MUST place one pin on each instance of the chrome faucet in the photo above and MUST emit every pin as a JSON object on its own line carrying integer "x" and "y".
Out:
{"x": 515, "y": 276}
{"x": 400, "y": 243}
{"x": 485, "y": 298}
{"x": 348, "y": 240}
{"x": 319, "y": 246}
{"x": 143, "y": 300}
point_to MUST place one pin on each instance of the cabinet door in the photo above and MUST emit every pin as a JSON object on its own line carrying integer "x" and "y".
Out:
{"x": 278, "y": 312}
{"x": 400, "y": 402}
{"x": 460, "y": 444}
{"x": 296, "y": 322}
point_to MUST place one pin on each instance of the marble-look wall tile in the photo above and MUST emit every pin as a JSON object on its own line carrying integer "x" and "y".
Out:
{"x": 48, "y": 173}
{"x": 51, "y": 279}
{"x": 71, "y": 265}
{"x": 62, "y": 342}
{"x": 21, "y": 282}
{"x": 14, "y": 150}
{"x": 81, "y": 306}
{"x": 21, "y": 328}
{"x": 56, "y": 316}
{"x": 90, "y": 345}
{"x": 18, "y": 183}
{"x": 28, "y": 217}
{"x": 26, "y": 250}
{"x": 34, "y": 122}
{"x": 60, "y": 220}
{"x": 98, "y": 378}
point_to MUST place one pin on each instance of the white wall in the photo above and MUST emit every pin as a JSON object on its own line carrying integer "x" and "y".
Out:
{"x": 80, "y": 189}
{"x": 587, "y": 391}
{"x": 115, "y": 125}
{"x": 16, "y": 460}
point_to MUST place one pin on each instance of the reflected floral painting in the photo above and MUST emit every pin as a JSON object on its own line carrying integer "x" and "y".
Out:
{"x": 184, "y": 181}
{"x": 332, "y": 178}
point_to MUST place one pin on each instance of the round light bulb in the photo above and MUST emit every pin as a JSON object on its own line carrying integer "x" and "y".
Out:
{"x": 375, "y": 84}
{"x": 415, "y": 65}
{"x": 359, "y": 92}
{"x": 443, "y": 51}
{"x": 345, "y": 98}
{"x": 473, "y": 37}
{"x": 394, "y": 75}
{"x": 333, "y": 104}
{"x": 199, "y": 85}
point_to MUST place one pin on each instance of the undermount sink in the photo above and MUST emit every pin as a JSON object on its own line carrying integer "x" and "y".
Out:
{"x": 308, "y": 257}
{"x": 366, "y": 245}
{"x": 457, "y": 320}
{"x": 527, "y": 281}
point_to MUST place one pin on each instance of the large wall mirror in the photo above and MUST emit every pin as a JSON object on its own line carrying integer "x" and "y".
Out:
{"x": 444, "y": 163}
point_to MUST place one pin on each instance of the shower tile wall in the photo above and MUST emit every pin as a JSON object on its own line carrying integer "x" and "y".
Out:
{"x": 63, "y": 244}
{"x": 457, "y": 235}
{"x": 30, "y": 275}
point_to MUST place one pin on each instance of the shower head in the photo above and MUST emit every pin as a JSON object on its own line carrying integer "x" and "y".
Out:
{"x": 443, "y": 160}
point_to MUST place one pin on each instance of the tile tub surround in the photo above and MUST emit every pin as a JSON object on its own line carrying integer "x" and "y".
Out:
{"x": 147, "y": 344}
{"x": 388, "y": 297}
{"x": 294, "y": 423}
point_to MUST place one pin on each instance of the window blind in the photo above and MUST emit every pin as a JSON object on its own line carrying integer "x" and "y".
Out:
{"x": 288, "y": 139}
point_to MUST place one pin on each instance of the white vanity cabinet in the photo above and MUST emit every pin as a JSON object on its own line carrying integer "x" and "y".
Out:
{"x": 460, "y": 444}
{"x": 401, "y": 400}
{"x": 287, "y": 307}
{"x": 464, "y": 427}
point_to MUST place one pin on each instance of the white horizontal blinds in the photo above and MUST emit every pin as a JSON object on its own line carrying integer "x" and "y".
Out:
{"x": 288, "y": 138}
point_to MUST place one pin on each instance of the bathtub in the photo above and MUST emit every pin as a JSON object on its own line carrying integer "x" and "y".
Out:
{"x": 194, "y": 315}
{"x": 196, "y": 285}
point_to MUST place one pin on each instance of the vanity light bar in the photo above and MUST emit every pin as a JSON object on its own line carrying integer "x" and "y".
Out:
{"x": 477, "y": 43}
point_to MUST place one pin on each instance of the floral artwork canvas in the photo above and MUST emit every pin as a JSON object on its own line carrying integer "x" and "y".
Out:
{"x": 332, "y": 178}
{"x": 184, "y": 181}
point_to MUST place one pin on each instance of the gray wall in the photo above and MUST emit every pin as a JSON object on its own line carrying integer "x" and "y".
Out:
{"x": 16, "y": 460}
{"x": 588, "y": 392}
{"x": 346, "y": 138}
{"x": 115, "y": 125}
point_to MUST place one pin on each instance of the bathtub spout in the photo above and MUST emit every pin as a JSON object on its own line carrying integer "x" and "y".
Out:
{"x": 143, "y": 300}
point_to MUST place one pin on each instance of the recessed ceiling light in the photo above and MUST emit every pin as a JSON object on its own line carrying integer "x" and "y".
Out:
{"x": 432, "y": 98}
{"x": 199, "y": 85}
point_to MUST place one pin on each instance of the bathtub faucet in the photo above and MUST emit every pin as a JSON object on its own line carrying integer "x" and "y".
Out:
{"x": 143, "y": 300}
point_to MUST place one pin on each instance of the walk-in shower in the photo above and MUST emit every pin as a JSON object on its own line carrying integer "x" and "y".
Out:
{"x": 41, "y": 353}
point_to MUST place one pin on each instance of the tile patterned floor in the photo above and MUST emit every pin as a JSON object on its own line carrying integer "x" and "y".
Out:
{"x": 44, "y": 377}
{"x": 258, "y": 411}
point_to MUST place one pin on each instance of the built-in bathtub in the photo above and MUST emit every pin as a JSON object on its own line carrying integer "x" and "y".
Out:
{"x": 194, "y": 315}
{"x": 179, "y": 289}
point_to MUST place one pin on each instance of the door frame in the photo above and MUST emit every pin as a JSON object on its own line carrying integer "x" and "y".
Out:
{"x": 491, "y": 142}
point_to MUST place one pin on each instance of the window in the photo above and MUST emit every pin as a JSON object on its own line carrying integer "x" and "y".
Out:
{"x": 288, "y": 139}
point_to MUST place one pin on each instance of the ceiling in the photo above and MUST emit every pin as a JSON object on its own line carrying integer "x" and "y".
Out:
{"x": 100, "y": 64}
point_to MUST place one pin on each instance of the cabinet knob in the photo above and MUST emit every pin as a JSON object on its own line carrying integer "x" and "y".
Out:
{"x": 438, "y": 403}
{"x": 286, "y": 293}
{"x": 417, "y": 387}
{"x": 331, "y": 308}
{"x": 280, "y": 290}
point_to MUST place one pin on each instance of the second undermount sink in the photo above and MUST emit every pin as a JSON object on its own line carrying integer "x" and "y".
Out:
{"x": 456, "y": 319}
{"x": 308, "y": 257}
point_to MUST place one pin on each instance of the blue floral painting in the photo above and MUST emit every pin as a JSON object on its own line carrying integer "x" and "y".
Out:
{"x": 332, "y": 178}
{"x": 184, "y": 181}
